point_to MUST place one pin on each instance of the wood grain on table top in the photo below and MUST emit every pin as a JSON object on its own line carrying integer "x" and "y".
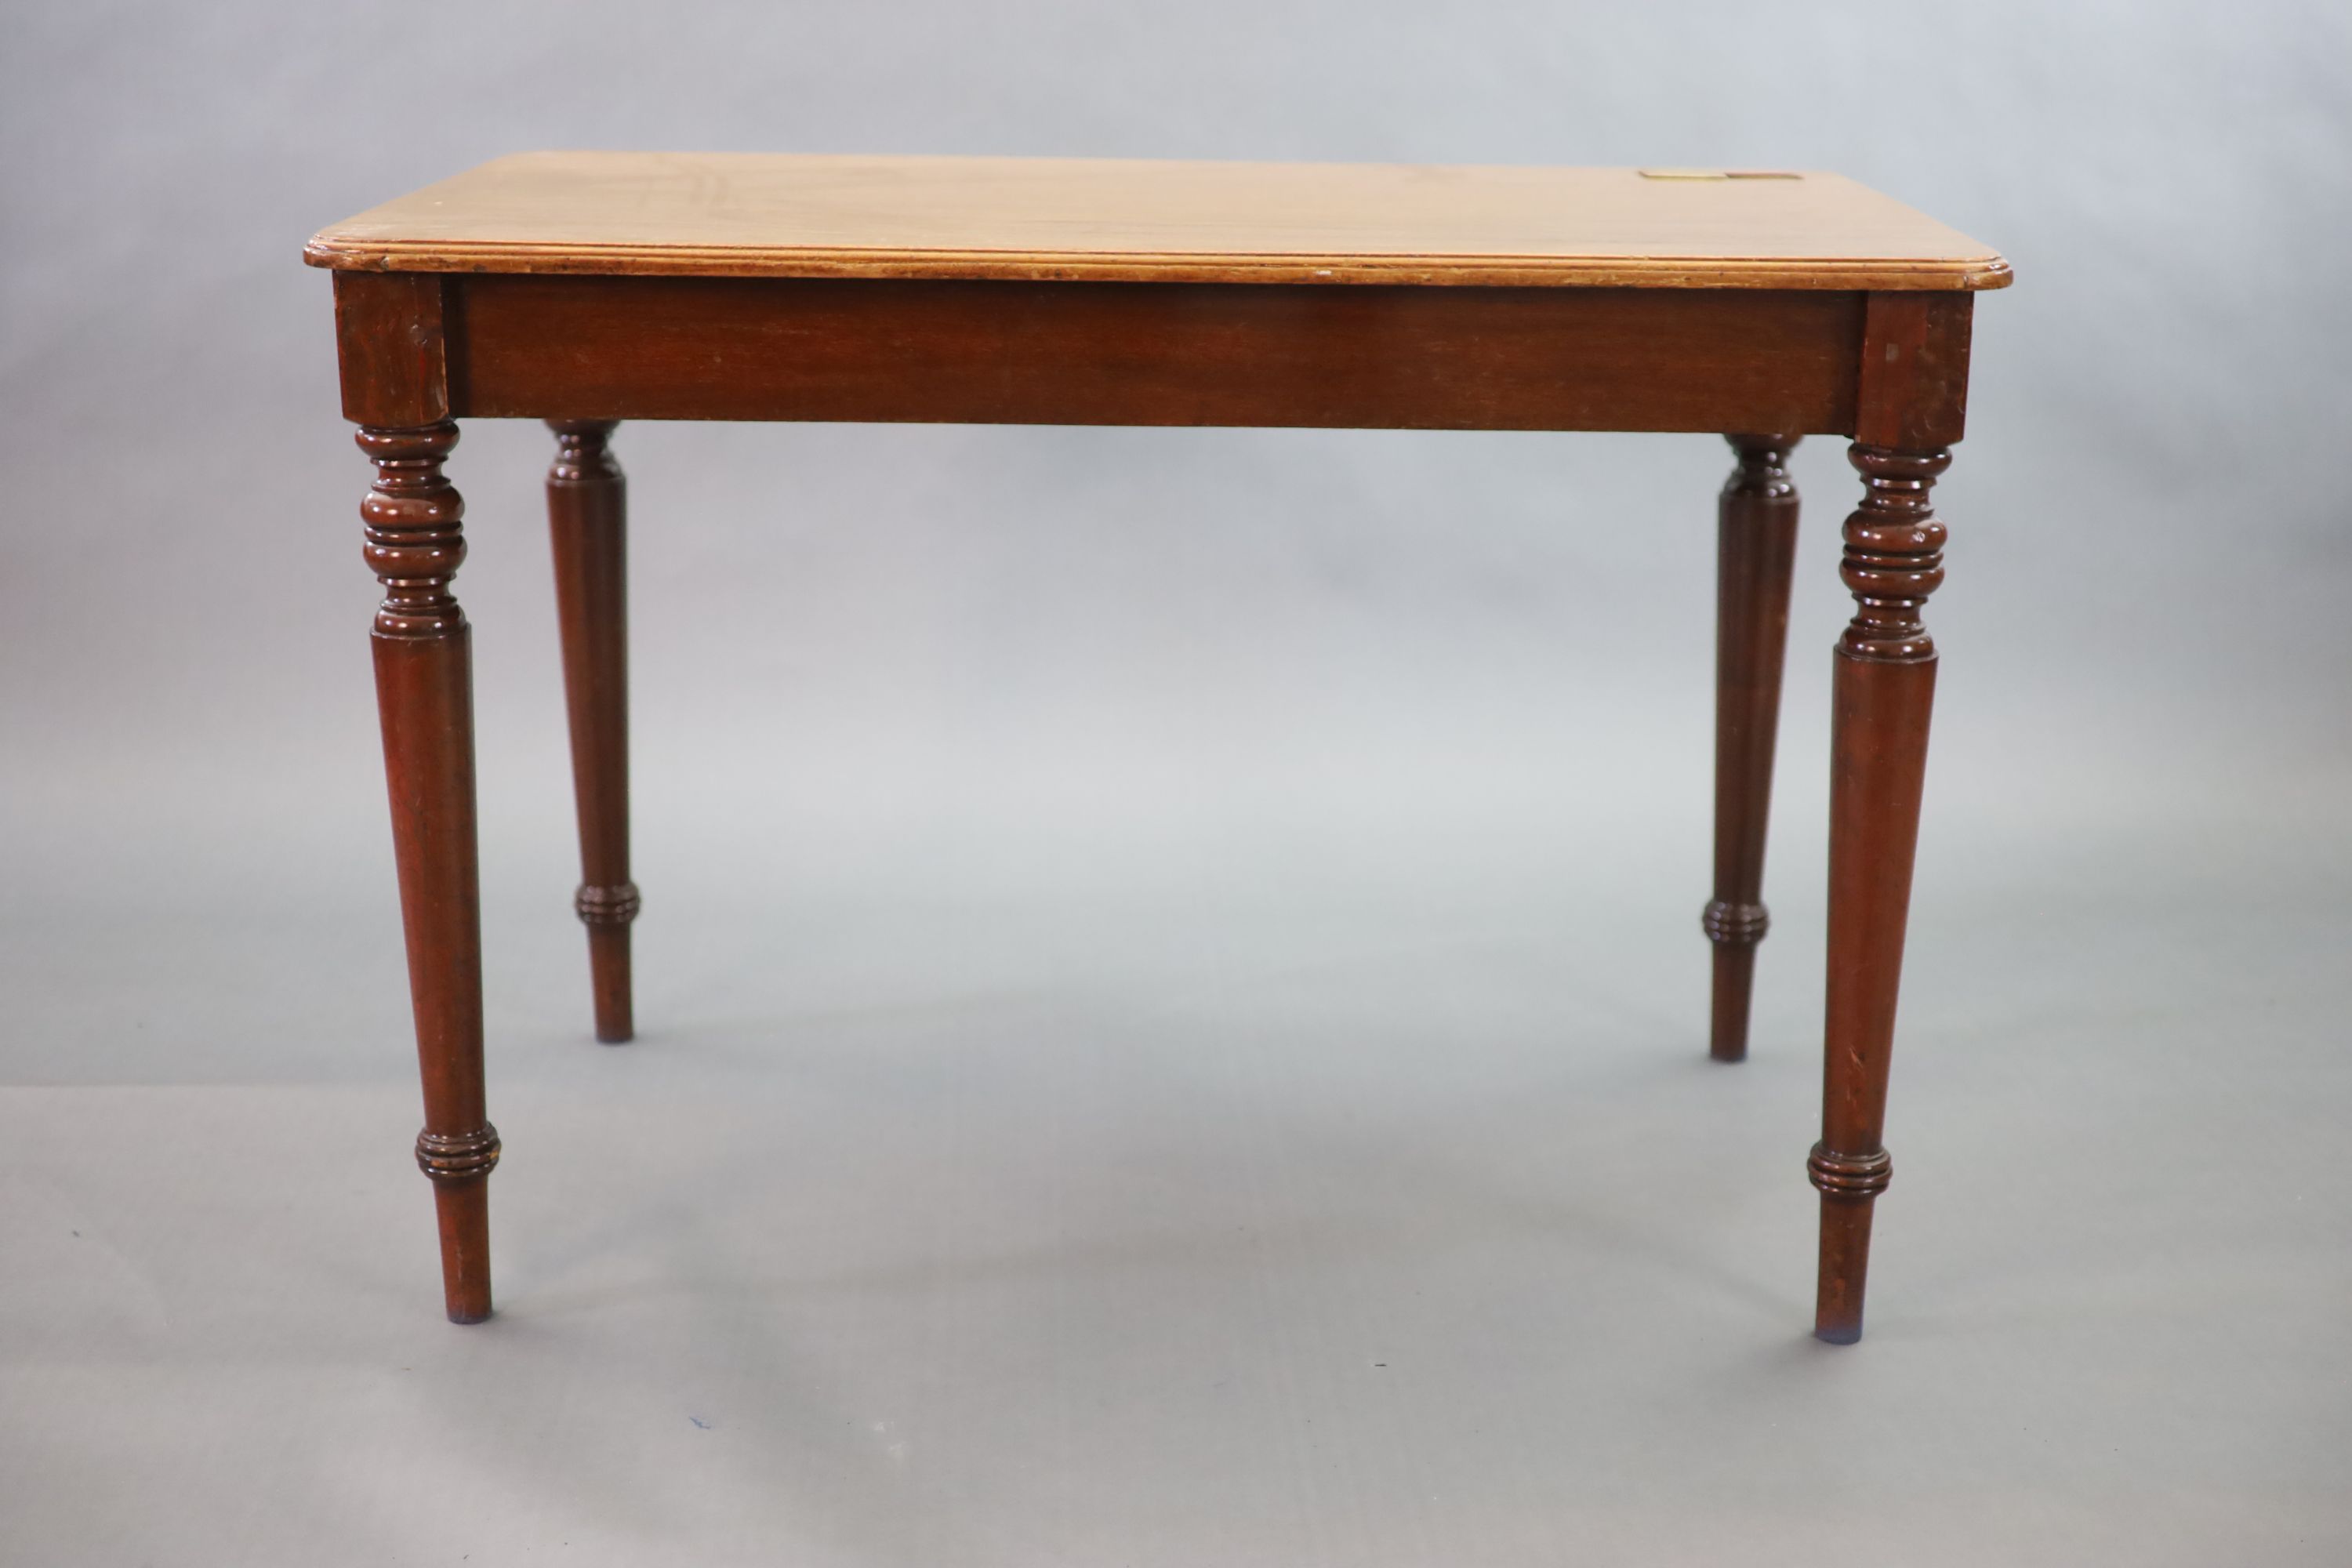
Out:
{"x": 804, "y": 216}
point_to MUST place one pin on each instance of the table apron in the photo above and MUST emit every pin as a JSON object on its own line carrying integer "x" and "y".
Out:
{"x": 1352, "y": 357}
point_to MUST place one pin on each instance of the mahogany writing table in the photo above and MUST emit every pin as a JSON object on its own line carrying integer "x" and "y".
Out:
{"x": 585, "y": 288}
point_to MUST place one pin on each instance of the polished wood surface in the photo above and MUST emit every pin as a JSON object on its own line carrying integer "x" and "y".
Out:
{"x": 587, "y": 515}
{"x": 1123, "y": 353}
{"x": 1912, "y": 391}
{"x": 413, "y": 522}
{"x": 562, "y": 288}
{"x": 1114, "y": 220}
{"x": 392, "y": 337}
{"x": 1756, "y": 550}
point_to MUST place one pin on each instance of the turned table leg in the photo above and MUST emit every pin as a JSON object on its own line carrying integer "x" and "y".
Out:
{"x": 587, "y": 517}
{"x": 1756, "y": 530}
{"x": 1885, "y": 685}
{"x": 423, "y": 682}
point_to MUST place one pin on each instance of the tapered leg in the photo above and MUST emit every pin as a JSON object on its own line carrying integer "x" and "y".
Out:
{"x": 588, "y": 518}
{"x": 424, "y": 683}
{"x": 1756, "y": 530}
{"x": 1885, "y": 685}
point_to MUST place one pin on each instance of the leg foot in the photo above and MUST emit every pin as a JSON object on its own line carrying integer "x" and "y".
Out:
{"x": 1848, "y": 1190}
{"x": 606, "y": 912}
{"x": 464, "y": 1215}
{"x": 460, "y": 1168}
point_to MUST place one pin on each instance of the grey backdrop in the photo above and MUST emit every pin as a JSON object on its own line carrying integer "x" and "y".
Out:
{"x": 1172, "y": 1008}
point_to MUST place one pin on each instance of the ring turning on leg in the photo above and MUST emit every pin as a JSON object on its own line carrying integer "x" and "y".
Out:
{"x": 607, "y": 906}
{"x": 457, "y": 1156}
{"x": 1735, "y": 925}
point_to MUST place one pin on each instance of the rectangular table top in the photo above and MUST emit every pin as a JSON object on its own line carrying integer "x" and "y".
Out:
{"x": 802, "y": 216}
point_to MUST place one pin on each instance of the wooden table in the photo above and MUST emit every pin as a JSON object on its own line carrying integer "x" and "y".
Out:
{"x": 585, "y": 288}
